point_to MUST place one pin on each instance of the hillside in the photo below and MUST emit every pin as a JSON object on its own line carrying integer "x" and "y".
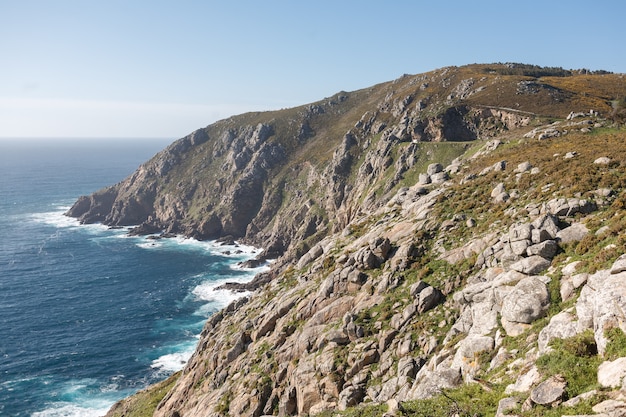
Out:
{"x": 449, "y": 242}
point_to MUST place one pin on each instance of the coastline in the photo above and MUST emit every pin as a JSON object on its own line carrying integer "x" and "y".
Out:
{"x": 208, "y": 294}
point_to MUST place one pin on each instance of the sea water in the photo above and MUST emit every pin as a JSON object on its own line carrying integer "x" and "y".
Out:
{"x": 89, "y": 315}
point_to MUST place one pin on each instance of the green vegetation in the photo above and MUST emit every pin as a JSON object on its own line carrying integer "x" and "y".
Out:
{"x": 223, "y": 406}
{"x": 362, "y": 411}
{"x": 144, "y": 403}
{"x": 471, "y": 400}
{"x": 576, "y": 360}
{"x": 616, "y": 348}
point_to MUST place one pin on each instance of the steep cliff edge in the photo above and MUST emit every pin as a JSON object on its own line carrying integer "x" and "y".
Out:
{"x": 440, "y": 237}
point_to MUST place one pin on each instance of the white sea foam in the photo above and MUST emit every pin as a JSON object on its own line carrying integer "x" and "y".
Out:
{"x": 79, "y": 400}
{"x": 64, "y": 409}
{"x": 218, "y": 298}
{"x": 55, "y": 218}
{"x": 175, "y": 361}
{"x": 237, "y": 251}
{"x": 59, "y": 220}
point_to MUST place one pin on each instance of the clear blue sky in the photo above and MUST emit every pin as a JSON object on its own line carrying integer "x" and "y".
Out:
{"x": 151, "y": 68}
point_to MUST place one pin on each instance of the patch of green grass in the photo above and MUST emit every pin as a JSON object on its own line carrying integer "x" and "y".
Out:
{"x": 360, "y": 411}
{"x": 223, "y": 406}
{"x": 616, "y": 348}
{"x": 583, "y": 408}
{"x": 145, "y": 402}
{"x": 470, "y": 400}
{"x": 576, "y": 360}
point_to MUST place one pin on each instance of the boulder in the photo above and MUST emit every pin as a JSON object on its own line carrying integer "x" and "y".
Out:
{"x": 573, "y": 402}
{"x": 499, "y": 194}
{"x": 523, "y": 167}
{"x": 549, "y": 392}
{"x": 532, "y": 265}
{"x": 567, "y": 289}
{"x": 570, "y": 206}
{"x": 499, "y": 166}
{"x": 434, "y": 168}
{"x": 506, "y": 404}
{"x": 428, "y": 298}
{"x": 603, "y": 160}
{"x": 574, "y": 233}
{"x": 619, "y": 265}
{"x": 466, "y": 357}
{"x": 546, "y": 249}
{"x": 561, "y": 326}
{"x": 527, "y": 302}
{"x": 579, "y": 279}
{"x": 611, "y": 374}
{"x": 424, "y": 179}
{"x": 314, "y": 253}
{"x": 570, "y": 268}
{"x": 548, "y": 224}
{"x": 610, "y": 408}
{"x": 351, "y": 396}
{"x": 524, "y": 381}
{"x": 439, "y": 177}
{"x": 520, "y": 232}
{"x": 601, "y": 305}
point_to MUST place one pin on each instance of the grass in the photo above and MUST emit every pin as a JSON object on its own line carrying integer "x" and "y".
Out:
{"x": 576, "y": 360}
{"x": 470, "y": 400}
{"x": 362, "y": 411}
{"x": 145, "y": 402}
{"x": 616, "y": 346}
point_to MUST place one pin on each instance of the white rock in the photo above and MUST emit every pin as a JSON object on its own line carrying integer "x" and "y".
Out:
{"x": 523, "y": 167}
{"x": 611, "y": 374}
{"x": 497, "y": 190}
{"x": 619, "y": 265}
{"x": 570, "y": 268}
{"x": 561, "y": 326}
{"x": 530, "y": 266}
{"x": 527, "y": 302}
{"x": 579, "y": 279}
{"x": 524, "y": 381}
{"x": 574, "y": 233}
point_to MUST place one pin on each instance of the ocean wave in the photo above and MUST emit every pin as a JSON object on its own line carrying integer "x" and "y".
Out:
{"x": 73, "y": 410}
{"x": 82, "y": 398}
{"x": 174, "y": 361}
{"x": 55, "y": 218}
{"x": 217, "y": 297}
{"x": 236, "y": 251}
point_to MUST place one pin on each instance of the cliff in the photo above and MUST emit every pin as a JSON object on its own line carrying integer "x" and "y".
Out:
{"x": 443, "y": 242}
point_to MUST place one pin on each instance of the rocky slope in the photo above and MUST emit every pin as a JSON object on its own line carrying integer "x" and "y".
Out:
{"x": 443, "y": 241}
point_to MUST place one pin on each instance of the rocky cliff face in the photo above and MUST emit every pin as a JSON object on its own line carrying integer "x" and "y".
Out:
{"x": 437, "y": 234}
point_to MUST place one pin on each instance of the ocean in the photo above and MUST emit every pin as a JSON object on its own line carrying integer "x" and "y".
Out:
{"x": 89, "y": 315}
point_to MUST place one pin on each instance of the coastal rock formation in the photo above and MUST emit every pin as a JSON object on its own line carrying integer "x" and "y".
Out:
{"x": 429, "y": 238}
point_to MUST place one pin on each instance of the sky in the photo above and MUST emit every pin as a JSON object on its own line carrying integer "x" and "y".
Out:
{"x": 161, "y": 69}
